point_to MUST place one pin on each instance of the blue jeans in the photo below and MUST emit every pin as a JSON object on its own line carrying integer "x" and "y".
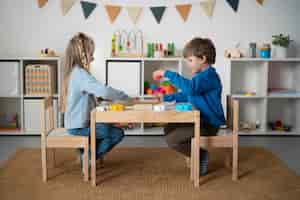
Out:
{"x": 107, "y": 136}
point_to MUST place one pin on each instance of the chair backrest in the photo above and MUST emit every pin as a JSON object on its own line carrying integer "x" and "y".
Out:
{"x": 232, "y": 121}
{"x": 47, "y": 112}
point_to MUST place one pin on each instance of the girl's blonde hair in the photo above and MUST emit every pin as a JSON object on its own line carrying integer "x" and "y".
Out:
{"x": 79, "y": 52}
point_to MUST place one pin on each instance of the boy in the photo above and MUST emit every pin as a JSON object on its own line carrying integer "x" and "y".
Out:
{"x": 203, "y": 91}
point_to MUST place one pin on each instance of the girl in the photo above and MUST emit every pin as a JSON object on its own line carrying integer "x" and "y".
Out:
{"x": 79, "y": 91}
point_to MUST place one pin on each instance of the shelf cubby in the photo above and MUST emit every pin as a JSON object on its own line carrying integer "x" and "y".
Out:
{"x": 284, "y": 79}
{"x": 286, "y": 110}
{"x": 277, "y": 86}
{"x": 248, "y": 76}
{"x": 13, "y": 98}
{"x": 10, "y": 114}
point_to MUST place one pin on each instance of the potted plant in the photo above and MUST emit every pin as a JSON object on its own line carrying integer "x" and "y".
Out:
{"x": 281, "y": 43}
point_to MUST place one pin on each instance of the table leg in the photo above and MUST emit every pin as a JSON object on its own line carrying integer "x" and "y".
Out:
{"x": 197, "y": 150}
{"x": 93, "y": 147}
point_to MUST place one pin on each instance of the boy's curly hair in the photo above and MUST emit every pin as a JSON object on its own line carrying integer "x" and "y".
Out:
{"x": 200, "y": 47}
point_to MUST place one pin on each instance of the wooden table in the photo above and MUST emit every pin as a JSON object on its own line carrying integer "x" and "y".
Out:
{"x": 132, "y": 116}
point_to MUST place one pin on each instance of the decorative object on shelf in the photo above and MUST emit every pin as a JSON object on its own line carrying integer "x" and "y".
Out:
{"x": 279, "y": 126}
{"x": 184, "y": 10}
{"x": 249, "y": 126}
{"x": 113, "y": 12}
{"x": 47, "y": 53}
{"x": 9, "y": 121}
{"x": 42, "y": 3}
{"x": 183, "y": 107}
{"x": 234, "y": 4}
{"x": 265, "y": 51}
{"x": 158, "y": 12}
{"x": 127, "y": 44}
{"x": 280, "y": 45}
{"x": 87, "y": 8}
{"x": 207, "y": 7}
{"x": 157, "y": 50}
{"x": 134, "y": 13}
{"x": 233, "y": 53}
{"x": 39, "y": 80}
{"x": 66, "y": 5}
{"x": 246, "y": 93}
{"x": 260, "y": 2}
{"x": 252, "y": 49}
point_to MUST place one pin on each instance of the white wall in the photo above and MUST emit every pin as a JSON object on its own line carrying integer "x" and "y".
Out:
{"x": 25, "y": 28}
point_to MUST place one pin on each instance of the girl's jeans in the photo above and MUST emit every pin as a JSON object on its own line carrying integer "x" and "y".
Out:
{"x": 107, "y": 136}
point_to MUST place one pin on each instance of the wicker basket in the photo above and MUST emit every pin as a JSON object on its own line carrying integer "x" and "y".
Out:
{"x": 39, "y": 80}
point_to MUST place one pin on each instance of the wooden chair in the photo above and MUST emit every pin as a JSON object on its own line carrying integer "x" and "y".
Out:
{"x": 228, "y": 140}
{"x": 58, "y": 138}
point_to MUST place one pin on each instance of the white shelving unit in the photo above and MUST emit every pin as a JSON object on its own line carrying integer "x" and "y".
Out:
{"x": 275, "y": 84}
{"x": 13, "y": 98}
{"x": 140, "y": 70}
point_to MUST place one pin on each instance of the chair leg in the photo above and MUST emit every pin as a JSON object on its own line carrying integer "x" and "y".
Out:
{"x": 53, "y": 158}
{"x": 228, "y": 158}
{"x": 86, "y": 162}
{"x": 44, "y": 163}
{"x": 192, "y": 160}
{"x": 235, "y": 160}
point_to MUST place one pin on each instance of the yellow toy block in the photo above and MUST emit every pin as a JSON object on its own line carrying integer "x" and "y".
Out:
{"x": 116, "y": 107}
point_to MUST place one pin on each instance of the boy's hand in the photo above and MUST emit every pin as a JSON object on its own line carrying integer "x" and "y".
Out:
{"x": 160, "y": 97}
{"x": 158, "y": 74}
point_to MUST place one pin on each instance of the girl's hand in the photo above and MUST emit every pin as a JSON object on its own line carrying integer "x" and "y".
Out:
{"x": 158, "y": 74}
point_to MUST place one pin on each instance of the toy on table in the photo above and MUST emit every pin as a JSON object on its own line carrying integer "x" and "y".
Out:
{"x": 183, "y": 107}
{"x": 165, "y": 88}
{"x": 143, "y": 106}
{"x": 116, "y": 107}
{"x": 164, "y": 106}
{"x": 279, "y": 126}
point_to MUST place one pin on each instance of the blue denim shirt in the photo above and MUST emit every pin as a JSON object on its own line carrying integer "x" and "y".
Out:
{"x": 81, "y": 90}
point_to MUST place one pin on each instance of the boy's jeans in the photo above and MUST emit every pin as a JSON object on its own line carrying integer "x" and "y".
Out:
{"x": 178, "y": 137}
{"x": 107, "y": 136}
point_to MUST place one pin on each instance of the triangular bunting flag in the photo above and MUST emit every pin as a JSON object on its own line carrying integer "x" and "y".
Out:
{"x": 234, "y": 4}
{"x": 112, "y": 12}
{"x": 184, "y": 10}
{"x": 208, "y": 7}
{"x": 158, "y": 12}
{"x": 66, "y": 5}
{"x": 42, "y": 3}
{"x": 261, "y": 2}
{"x": 87, "y": 8}
{"x": 134, "y": 13}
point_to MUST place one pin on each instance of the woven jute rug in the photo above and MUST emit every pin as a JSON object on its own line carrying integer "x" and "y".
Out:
{"x": 147, "y": 173}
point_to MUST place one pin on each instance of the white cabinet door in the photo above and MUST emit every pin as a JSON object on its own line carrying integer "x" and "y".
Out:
{"x": 32, "y": 113}
{"x": 125, "y": 76}
{"x": 9, "y": 79}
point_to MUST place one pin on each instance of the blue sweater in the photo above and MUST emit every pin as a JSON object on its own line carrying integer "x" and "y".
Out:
{"x": 203, "y": 91}
{"x": 82, "y": 87}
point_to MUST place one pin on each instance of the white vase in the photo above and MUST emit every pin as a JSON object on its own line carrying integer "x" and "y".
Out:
{"x": 279, "y": 52}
